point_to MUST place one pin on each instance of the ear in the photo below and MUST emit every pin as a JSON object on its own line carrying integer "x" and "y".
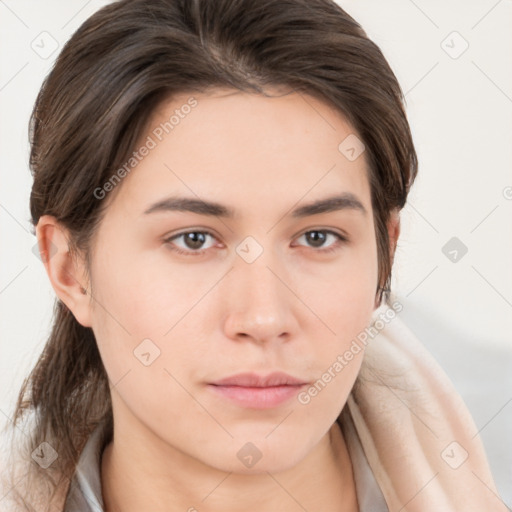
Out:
{"x": 67, "y": 274}
{"x": 393, "y": 226}
{"x": 393, "y": 232}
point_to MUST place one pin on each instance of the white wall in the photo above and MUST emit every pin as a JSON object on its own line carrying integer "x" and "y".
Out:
{"x": 460, "y": 111}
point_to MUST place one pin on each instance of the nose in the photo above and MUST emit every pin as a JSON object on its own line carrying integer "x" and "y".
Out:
{"x": 260, "y": 304}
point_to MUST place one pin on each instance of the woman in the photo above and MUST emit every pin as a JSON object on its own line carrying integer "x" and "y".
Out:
{"x": 216, "y": 197}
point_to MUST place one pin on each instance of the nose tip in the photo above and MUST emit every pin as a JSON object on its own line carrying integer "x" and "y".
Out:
{"x": 246, "y": 325}
{"x": 260, "y": 305}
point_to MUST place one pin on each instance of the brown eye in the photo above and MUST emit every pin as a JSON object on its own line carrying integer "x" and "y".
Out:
{"x": 193, "y": 242}
{"x": 317, "y": 239}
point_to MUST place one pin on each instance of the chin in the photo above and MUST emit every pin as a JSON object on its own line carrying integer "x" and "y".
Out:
{"x": 260, "y": 456}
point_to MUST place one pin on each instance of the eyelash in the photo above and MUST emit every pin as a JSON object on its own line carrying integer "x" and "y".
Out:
{"x": 334, "y": 247}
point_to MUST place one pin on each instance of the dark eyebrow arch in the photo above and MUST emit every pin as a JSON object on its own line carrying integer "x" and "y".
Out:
{"x": 345, "y": 201}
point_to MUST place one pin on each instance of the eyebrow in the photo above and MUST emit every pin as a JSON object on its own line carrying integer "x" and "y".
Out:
{"x": 344, "y": 201}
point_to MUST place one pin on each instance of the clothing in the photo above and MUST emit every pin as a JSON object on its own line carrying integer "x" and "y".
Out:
{"x": 85, "y": 489}
{"x": 413, "y": 444}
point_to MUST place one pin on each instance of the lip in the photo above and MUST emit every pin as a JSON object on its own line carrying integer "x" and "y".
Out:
{"x": 256, "y": 391}
{"x": 259, "y": 381}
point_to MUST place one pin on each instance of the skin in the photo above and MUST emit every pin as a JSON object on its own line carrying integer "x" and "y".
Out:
{"x": 293, "y": 309}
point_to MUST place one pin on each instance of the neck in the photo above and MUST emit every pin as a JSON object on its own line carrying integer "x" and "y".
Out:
{"x": 134, "y": 479}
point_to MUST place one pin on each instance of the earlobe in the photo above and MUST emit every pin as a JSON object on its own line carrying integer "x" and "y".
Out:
{"x": 66, "y": 274}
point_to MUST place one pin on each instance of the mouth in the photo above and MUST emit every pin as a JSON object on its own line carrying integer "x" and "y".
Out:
{"x": 258, "y": 392}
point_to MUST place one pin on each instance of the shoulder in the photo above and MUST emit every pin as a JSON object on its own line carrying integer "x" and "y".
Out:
{"x": 416, "y": 431}
{"x": 26, "y": 485}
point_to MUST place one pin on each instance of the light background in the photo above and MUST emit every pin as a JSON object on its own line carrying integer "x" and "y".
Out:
{"x": 460, "y": 111}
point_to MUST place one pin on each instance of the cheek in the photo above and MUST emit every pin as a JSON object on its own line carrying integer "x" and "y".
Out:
{"x": 346, "y": 297}
{"x": 146, "y": 332}
{"x": 345, "y": 307}
{"x": 139, "y": 297}
{"x": 146, "y": 343}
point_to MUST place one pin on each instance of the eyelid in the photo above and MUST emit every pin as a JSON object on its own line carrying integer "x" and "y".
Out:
{"x": 328, "y": 231}
{"x": 170, "y": 238}
{"x": 341, "y": 239}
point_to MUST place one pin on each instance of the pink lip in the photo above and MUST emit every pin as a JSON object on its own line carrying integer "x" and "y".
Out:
{"x": 258, "y": 392}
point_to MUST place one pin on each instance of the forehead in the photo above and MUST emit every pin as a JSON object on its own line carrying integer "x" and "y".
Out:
{"x": 246, "y": 150}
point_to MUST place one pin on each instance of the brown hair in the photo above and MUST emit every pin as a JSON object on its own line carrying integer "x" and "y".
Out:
{"x": 94, "y": 106}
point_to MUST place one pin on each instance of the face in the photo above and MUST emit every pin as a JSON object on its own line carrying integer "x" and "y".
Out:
{"x": 185, "y": 297}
